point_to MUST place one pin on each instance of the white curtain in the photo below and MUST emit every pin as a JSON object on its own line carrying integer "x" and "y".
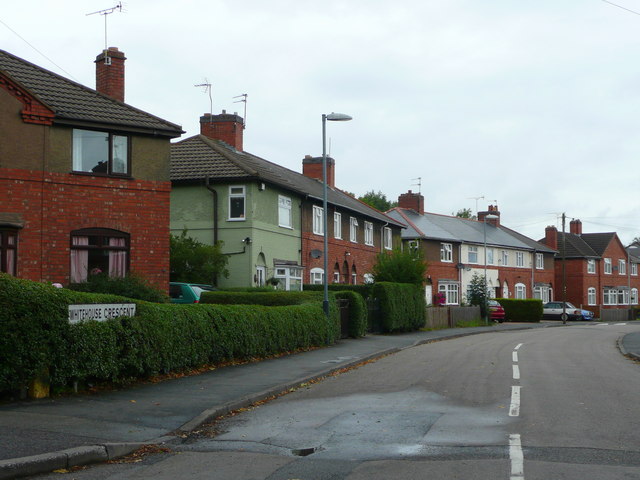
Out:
{"x": 117, "y": 258}
{"x": 79, "y": 260}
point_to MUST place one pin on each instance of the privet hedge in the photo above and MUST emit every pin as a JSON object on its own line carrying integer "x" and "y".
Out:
{"x": 35, "y": 334}
{"x": 364, "y": 289}
{"x": 402, "y": 306}
{"x": 525, "y": 310}
{"x": 357, "y": 313}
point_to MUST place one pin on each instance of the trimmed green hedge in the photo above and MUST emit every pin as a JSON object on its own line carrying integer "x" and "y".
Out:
{"x": 357, "y": 313}
{"x": 402, "y": 306}
{"x": 364, "y": 289}
{"x": 271, "y": 299}
{"x": 526, "y": 310}
{"x": 35, "y": 334}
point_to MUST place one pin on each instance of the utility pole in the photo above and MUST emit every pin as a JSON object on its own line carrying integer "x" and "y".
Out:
{"x": 564, "y": 272}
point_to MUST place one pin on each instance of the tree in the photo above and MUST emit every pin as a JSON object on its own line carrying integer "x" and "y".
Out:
{"x": 193, "y": 261}
{"x": 400, "y": 266}
{"x": 377, "y": 200}
{"x": 478, "y": 293}
{"x": 465, "y": 213}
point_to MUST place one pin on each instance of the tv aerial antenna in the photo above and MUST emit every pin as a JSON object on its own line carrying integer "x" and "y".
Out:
{"x": 243, "y": 99}
{"x": 105, "y": 13}
{"x": 419, "y": 184}
{"x": 207, "y": 89}
{"x": 476, "y": 199}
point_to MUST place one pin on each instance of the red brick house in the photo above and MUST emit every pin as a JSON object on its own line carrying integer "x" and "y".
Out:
{"x": 455, "y": 249}
{"x": 599, "y": 272}
{"x": 84, "y": 177}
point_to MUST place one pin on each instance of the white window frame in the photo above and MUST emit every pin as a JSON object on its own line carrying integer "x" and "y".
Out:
{"x": 540, "y": 261}
{"x": 388, "y": 239}
{"x": 607, "y": 267}
{"x": 505, "y": 258}
{"x": 634, "y": 269}
{"x": 353, "y": 229}
{"x": 609, "y": 296}
{"x": 290, "y": 277}
{"x": 451, "y": 292}
{"x": 446, "y": 252}
{"x": 316, "y": 276}
{"x": 520, "y": 291}
{"x": 472, "y": 250}
{"x": 591, "y": 265}
{"x": 368, "y": 233}
{"x": 242, "y": 193}
{"x": 634, "y": 296}
{"x": 285, "y": 218}
{"x": 490, "y": 257}
{"x": 622, "y": 267}
{"x": 520, "y": 259}
{"x": 592, "y": 296}
{"x": 337, "y": 225}
{"x": 318, "y": 220}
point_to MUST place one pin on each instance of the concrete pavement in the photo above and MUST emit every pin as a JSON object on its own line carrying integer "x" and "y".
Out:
{"x": 44, "y": 435}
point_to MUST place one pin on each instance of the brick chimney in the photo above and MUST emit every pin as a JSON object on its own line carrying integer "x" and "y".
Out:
{"x": 226, "y": 127}
{"x": 551, "y": 237}
{"x": 312, "y": 167}
{"x": 412, "y": 201}
{"x": 110, "y": 73}
{"x": 575, "y": 226}
{"x": 493, "y": 210}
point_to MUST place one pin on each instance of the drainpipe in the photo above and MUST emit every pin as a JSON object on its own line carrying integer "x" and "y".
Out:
{"x": 533, "y": 266}
{"x": 215, "y": 220}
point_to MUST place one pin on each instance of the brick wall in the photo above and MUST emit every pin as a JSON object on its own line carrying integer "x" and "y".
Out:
{"x": 53, "y": 204}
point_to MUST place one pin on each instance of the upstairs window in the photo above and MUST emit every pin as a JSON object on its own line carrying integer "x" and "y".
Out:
{"x": 446, "y": 252}
{"x": 368, "y": 233}
{"x": 473, "y": 254}
{"x": 318, "y": 220}
{"x": 388, "y": 241}
{"x": 591, "y": 265}
{"x": 337, "y": 225}
{"x": 489, "y": 256}
{"x": 95, "y": 251}
{"x": 607, "y": 266}
{"x": 284, "y": 211}
{"x": 237, "y": 203}
{"x": 100, "y": 152}
{"x": 353, "y": 231}
{"x": 519, "y": 259}
{"x": 505, "y": 259}
{"x": 8, "y": 251}
{"x": 622, "y": 267}
{"x": 539, "y": 261}
{"x": 634, "y": 269}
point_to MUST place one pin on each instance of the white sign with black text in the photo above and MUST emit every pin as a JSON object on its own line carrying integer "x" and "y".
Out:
{"x": 100, "y": 311}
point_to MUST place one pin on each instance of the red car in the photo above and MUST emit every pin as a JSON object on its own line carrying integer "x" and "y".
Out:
{"x": 496, "y": 312}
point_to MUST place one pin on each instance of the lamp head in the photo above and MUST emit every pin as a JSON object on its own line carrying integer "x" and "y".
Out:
{"x": 338, "y": 117}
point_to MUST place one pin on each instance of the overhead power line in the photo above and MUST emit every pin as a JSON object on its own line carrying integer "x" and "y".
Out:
{"x": 620, "y": 6}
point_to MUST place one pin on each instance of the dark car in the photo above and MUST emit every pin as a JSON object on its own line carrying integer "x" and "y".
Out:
{"x": 553, "y": 311}
{"x": 187, "y": 292}
{"x": 496, "y": 311}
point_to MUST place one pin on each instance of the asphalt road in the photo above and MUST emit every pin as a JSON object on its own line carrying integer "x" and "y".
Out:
{"x": 557, "y": 403}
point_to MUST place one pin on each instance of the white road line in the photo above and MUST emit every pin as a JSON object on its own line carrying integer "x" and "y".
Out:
{"x": 518, "y": 346}
{"x": 514, "y": 409}
{"x": 516, "y": 456}
{"x": 515, "y": 356}
{"x": 620, "y": 323}
{"x": 601, "y": 324}
{"x": 516, "y": 372}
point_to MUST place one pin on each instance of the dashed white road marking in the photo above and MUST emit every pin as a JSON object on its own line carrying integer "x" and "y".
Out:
{"x": 514, "y": 356}
{"x": 516, "y": 456}
{"x": 518, "y": 346}
{"x": 514, "y": 409}
{"x": 621, "y": 323}
{"x": 516, "y": 372}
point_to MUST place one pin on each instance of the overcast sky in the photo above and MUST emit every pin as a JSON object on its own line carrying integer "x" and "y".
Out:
{"x": 533, "y": 104}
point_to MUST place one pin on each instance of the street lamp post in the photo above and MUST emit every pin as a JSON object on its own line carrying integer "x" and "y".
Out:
{"x": 332, "y": 117}
{"x": 486, "y": 306}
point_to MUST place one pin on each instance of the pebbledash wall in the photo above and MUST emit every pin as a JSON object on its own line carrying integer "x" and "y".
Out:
{"x": 52, "y": 205}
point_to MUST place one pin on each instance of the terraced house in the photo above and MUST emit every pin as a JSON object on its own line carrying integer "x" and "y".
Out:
{"x": 456, "y": 249}
{"x": 268, "y": 217}
{"x": 84, "y": 177}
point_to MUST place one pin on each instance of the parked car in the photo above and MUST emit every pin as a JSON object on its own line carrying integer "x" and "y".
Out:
{"x": 553, "y": 311}
{"x": 496, "y": 311}
{"x": 187, "y": 292}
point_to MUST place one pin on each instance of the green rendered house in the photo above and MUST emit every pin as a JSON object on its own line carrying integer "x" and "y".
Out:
{"x": 266, "y": 215}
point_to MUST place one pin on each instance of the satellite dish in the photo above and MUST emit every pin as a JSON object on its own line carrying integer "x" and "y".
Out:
{"x": 315, "y": 253}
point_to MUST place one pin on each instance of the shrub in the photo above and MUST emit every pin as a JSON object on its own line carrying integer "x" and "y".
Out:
{"x": 402, "y": 305}
{"x": 130, "y": 286}
{"x": 401, "y": 266}
{"x": 357, "y": 313}
{"x": 364, "y": 289}
{"x": 526, "y": 310}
